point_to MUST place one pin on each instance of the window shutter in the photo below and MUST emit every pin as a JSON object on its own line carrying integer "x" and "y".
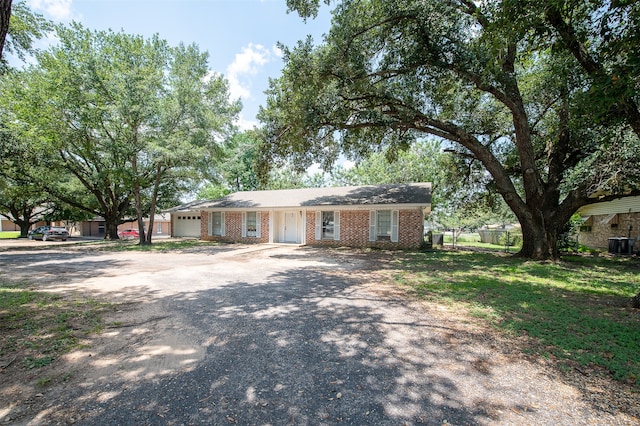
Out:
{"x": 372, "y": 225}
{"x": 210, "y": 223}
{"x": 336, "y": 226}
{"x": 258, "y": 224}
{"x": 318, "y": 225}
{"x": 244, "y": 224}
{"x": 222, "y": 225}
{"x": 394, "y": 226}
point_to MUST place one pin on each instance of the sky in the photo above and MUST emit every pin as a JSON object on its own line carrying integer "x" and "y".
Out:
{"x": 240, "y": 35}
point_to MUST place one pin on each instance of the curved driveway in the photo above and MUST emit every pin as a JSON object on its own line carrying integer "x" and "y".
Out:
{"x": 280, "y": 335}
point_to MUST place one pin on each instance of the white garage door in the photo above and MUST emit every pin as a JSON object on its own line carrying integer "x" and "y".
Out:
{"x": 186, "y": 225}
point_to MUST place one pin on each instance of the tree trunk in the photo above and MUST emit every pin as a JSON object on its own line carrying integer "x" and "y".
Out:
{"x": 539, "y": 242}
{"x": 5, "y": 18}
{"x": 154, "y": 199}
{"x": 111, "y": 223}
{"x": 24, "y": 227}
{"x": 138, "y": 200}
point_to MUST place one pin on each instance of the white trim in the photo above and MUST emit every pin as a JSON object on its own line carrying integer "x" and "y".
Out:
{"x": 318, "y": 225}
{"x": 373, "y": 217}
{"x": 394, "y": 226}
{"x": 258, "y": 224}
{"x": 244, "y": 225}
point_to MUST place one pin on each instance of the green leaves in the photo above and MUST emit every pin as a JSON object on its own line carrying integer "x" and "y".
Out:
{"x": 125, "y": 115}
{"x": 529, "y": 90}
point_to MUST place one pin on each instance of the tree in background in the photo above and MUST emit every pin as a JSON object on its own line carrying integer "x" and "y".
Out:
{"x": 541, "y": 94}
{"x": 19, "y": 28}
{"x": 130, "y": 119}
{"x": 5, "y": 19}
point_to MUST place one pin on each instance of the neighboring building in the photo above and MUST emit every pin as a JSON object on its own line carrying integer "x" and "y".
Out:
{"x": 7, "y": 225}
{"x": 362, "y": 216}
{"x": 610, "y": 219}
{"x": 89, "y": 228}
{"x": 161, "y": 224}
{"x": 96, "y": 226}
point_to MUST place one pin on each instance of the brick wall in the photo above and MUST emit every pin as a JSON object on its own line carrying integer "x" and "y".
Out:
{"x": 233, "y": 228}
{"x": 354, "y": 230}
{"x": 600, "y": 232}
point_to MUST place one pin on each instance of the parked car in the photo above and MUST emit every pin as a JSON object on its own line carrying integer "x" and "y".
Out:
{"x": 129, "y": 234}
{"x": 47, "y": 232}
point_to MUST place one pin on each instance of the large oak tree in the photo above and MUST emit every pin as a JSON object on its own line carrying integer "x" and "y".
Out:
{"x": 132, "y": 120}
{"x": 543, "y": 94}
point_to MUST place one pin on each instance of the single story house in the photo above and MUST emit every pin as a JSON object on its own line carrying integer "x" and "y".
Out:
{"x": 390, "y": 216}
{"x": 610, "y": 219}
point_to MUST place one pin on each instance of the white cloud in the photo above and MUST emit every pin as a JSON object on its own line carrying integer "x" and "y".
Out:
{"x": 277, "y": 51}
{"x": 59, "y": 10}
{"x": 246, "y": 64}
{"x": 245, "y": 124}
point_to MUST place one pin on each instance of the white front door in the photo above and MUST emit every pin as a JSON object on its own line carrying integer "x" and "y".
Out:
{"x": 290, "y": 227}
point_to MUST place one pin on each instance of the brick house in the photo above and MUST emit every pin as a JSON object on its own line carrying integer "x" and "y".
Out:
{"x": 386, "y": 216}
{"x": 610, "y": 219}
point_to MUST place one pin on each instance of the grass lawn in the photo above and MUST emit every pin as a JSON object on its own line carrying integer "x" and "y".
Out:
{"x": 9, "y": 234}
{"x": 575, "y": 311}
{"x": 38, "y": 327}
{"x": 157, "y": 245}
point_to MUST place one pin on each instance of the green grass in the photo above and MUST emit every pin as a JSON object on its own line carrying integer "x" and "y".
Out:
{"x": 161, "y": 245}
{"x": 576, "y": 311}
{"x": 37, "y": 327}
{"x": 487, "y": 246}
{"x": 6, "y": 235}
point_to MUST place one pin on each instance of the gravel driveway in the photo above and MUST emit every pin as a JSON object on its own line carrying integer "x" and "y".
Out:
{"x": 279, "y": 335}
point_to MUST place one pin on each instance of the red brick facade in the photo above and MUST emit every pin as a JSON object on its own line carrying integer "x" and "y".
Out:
{"x": 354, "y": 229}
{"x": 233, "y": 228}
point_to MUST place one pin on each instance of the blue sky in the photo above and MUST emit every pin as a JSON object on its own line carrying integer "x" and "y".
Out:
{"x": 240, "y": 35}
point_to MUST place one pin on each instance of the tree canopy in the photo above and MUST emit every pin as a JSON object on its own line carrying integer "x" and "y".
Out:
{"x": 128, "y": 119}
{"x": 543, "y": 95}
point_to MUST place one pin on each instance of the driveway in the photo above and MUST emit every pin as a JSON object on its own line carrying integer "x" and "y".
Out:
{"x": 277, "y": 335}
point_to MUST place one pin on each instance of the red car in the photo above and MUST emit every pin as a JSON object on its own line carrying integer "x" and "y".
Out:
{"x": 129, "y": 234}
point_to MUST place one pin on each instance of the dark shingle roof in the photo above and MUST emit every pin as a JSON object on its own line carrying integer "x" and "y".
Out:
{"x": 411, "y": 193}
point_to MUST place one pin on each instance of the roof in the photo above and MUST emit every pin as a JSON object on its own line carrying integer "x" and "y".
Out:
{"x": 416, "y": 194}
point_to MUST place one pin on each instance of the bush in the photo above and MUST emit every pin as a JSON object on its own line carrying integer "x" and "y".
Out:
{"x": 510, "y": 239}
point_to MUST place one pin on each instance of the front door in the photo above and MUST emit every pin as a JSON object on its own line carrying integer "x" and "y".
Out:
{"x": 290, "y": 227}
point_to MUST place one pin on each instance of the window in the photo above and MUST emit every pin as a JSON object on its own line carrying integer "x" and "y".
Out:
{"x": 159, "y": 228}
{"x": 217, "y": 223}
{"x": 383, "y": 225}
{"x": 251, "y": 224}
{"x": 585, "y": 228}
{"x": 327, "y": 225}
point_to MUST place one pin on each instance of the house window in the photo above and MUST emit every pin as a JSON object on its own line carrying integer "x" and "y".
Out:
{"x": 383, "y": 225}
{"x": 585, "y": 228}
{"x": 159, "y": 228}
{"x": 216, "y": 223}
{"x": 251, "y": 224}
{"x": 328, "y": 226}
